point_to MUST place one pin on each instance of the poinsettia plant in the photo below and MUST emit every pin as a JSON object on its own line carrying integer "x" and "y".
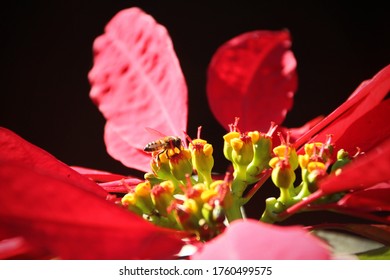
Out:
{"x": 339, "y": 163}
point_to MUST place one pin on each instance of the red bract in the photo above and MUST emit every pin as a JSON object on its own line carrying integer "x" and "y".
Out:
{"x": 53, "y": 207}
{"x": 137, "y": 83}
{"x": 16, "y": 149}
{"x": 251, "y": 240}
{"x": 376, "y": 198}
{"x": 252, "y": 76}
{"x": 357, "y": 122}
{"x": 360, "y": 122}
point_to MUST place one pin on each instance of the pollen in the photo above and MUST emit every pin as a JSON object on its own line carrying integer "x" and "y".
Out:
{"x": 129, "y": 199}
{"x": 208, "y": 149}
{"x": 231, "y": 135}
{"x": 191, "y": 206}
{"x": 207, "y": 195}
{"x": 236, "y": 143}
{"x": 168, "y": 186}
{"x": 315, "y": 165}
{"x": 282, "y": 150}
{"x": 143, "y": 189}
{"x": 303, "y": 161}
{"x": 254, "y": 135}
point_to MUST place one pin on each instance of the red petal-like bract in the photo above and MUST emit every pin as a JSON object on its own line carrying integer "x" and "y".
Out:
{"x": 360, "y": 122}
{"x": 365, "y": 134}
{"x": 16, "y": 149}
{"x": 372, "y": 199}
{"x": 253, "y": 77}
{"x": 253, "y": 240}
{"x": 137, "y": 83}
{"x": 365, "y": 172}
{"x": 100, "y": 176}
{"x": 55, "y": 208}
{"x": 73, "y": 223}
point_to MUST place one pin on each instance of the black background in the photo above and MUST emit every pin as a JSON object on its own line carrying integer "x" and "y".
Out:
{"x": 46, "y": 53}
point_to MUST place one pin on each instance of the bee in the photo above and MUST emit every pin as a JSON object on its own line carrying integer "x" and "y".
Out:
{"x": 160, "y": 145}
{"x": 163, "y": 144}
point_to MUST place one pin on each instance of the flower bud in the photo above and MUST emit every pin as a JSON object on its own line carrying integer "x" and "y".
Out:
{"x": 160, "y": 167}
{"x": 287, "y": 151}
{"x": 242, "y": 153}
{"x": 180, "y": 164}
{"x": 282, "y": 174}
{"x": 129, "y": 201}
{"x": 262, "y": 145}
{"x": 202, "y": 159}
{"x": 227, "y": 146}
{"x": 140, "y": 198}
{"x": 343, "y": 158}
{"x": 162, "y": 196}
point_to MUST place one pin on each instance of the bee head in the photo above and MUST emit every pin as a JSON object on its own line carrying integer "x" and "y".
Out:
{"x": 177, "y": 142}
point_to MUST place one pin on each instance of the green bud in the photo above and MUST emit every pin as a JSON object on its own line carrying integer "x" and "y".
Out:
{"x": 287, "y": 152}
{"x": 343, "y": 158}
{"x": 242, "y": 153}
{"x": 161, "y": 168}
{"x": 180, "y": 164}
{"x": 140, "y": 198}
{"x": 282, "y": 175}
{"x": 162, "y": 196}
{"x": 227, "y": 147}
{"x": 262, "y": 155}
{"x": 202, "y": 159}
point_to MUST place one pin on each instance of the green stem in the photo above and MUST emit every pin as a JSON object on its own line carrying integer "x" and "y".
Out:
{"x": 284, "y": 197}
{"x": 239, "y": 184}
{"x": 234, "y": 211}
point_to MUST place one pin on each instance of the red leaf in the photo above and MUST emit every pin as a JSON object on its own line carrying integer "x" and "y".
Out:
{"x": 74, "y": 223}
{"x": 372, "y": 199}
{"x": 362, "y": 173}
{"x": 100, "y": 176}
{"x": 110, "y": 182}
{"x": 137, "y": 82}
{"x": 16, "y": 149}
{"x": 253, "y": 240}
{"x": 366, "y": 97}
{"x": 368, "y": 131}
{"x": 252, "y": 76}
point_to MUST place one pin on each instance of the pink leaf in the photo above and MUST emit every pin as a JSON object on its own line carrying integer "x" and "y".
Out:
{"x": 74, "y": 223}
{"x": 137, "y": 82}
{"x": 252, "y": 76}
{"x": 253, "y": 240}
{"x": 366, "y": 97}
{"x": 16, "y": 149}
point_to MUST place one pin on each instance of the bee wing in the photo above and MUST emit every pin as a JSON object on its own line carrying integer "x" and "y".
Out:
{"x": 155, "y": 132}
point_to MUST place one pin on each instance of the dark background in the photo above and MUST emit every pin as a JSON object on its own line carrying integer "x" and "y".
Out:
{"x": 46, "y": 53}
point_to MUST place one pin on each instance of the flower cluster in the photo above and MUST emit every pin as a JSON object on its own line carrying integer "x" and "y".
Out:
{"x": 49, "y": 209}
{"x": 180, "y": 192}
{"x": 316, "y": 162}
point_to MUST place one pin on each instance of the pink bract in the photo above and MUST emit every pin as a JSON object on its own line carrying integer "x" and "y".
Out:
{"x": 252, "y": 240}
{"x": 137, "y": 83}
